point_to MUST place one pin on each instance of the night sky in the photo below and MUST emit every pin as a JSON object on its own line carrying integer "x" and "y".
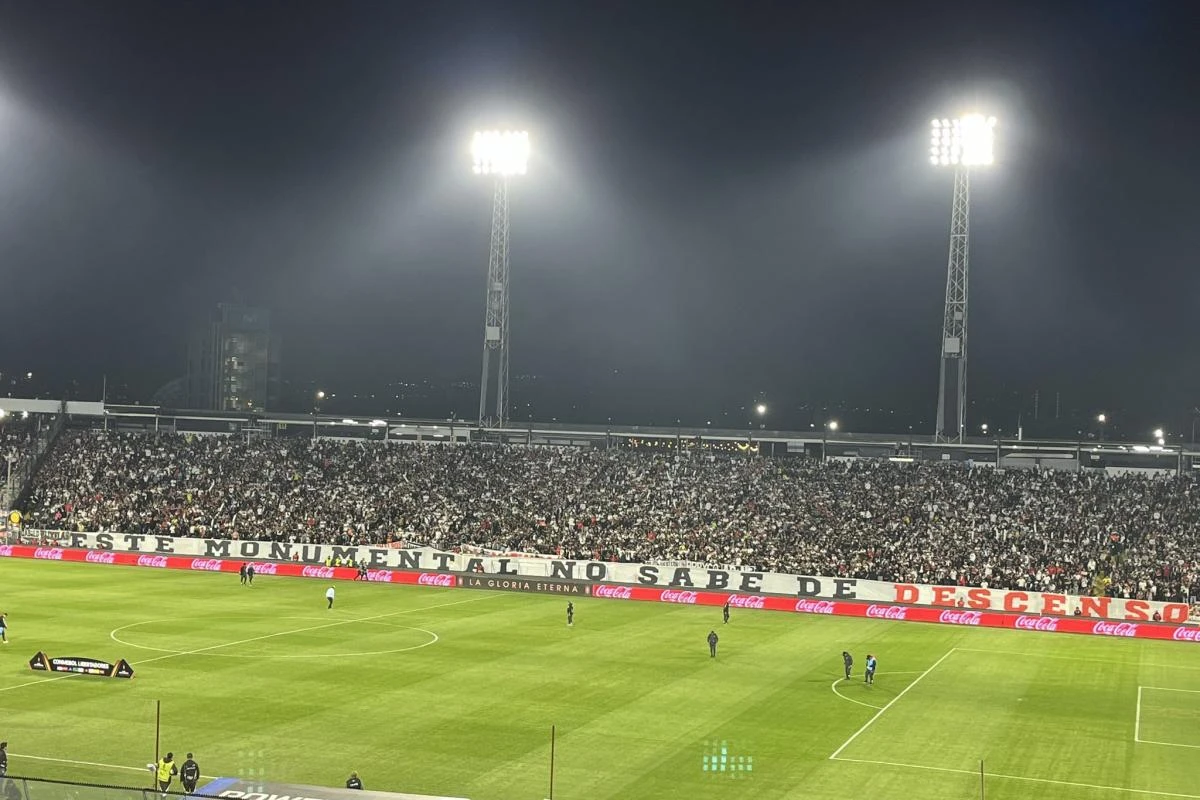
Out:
{"x": 727, "y": 201}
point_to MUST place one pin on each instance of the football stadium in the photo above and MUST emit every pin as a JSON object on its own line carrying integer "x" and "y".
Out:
{"x": 698, "y": 516}
{"x": 446, "y": 665}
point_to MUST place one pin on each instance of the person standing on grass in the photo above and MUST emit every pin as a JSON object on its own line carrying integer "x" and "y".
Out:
{"x": 165, "y": 772}
{"x": 570, "y": 614}
{"x": 712, "y": 644}
{"x": 242, "y": 571}
{"x": 4, "y": 628}
{"x": 329, "y": 594}
{"x": 250, "y": 574}
{"x": 725, "y": 611}
{"x": 870, "y": 676}
{"x": 189, "y": 774}
{"x": 847, "y": 662}
{"x": 3, "y": 759}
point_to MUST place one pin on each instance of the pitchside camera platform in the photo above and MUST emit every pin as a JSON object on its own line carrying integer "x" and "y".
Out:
{"x": 81, "y": 666}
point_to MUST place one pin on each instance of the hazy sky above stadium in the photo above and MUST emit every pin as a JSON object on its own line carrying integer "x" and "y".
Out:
{"x": 727, "y": 200}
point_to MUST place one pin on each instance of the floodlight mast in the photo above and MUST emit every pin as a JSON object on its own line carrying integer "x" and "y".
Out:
{"x": 500, "y": 155}
{"x": 960, "y": 143}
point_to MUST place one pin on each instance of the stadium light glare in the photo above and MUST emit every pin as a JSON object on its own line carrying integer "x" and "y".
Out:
{"x": 500, "y": 153}
{"x": 968, "y": 140}
{"x": 761, "y": 408}
{"x": 832, "y": 424}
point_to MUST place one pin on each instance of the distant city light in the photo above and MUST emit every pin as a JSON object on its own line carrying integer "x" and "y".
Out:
{"x": 501, "y": 153}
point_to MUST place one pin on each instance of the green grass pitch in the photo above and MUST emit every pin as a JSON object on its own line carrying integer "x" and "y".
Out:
{"x": 450, "y": 692}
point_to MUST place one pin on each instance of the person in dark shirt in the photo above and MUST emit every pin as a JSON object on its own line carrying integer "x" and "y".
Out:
{"x": 3, "y": 759}
{"x": 712, "y": 644}
{"x": 353, "y": 782}
{"x": 242, "y": 572}
{"x": 189, "y": 774}
{"x": 362, "y": 572}
{"x": 848, "y": 663}
{"x": 570, "y": 614}
{"x": 4, "y": 628}
{"x": 725, "y": 612}
{"x": 250, "y": 574}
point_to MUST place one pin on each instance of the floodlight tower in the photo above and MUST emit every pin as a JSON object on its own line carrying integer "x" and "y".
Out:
{"x": 961, "y": 143}
{"x": 500, "y": 155}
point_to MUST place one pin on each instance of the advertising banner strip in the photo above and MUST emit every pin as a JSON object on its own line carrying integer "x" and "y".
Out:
{"x": 685, "y": 577}
{"x": 1141, "y": 629}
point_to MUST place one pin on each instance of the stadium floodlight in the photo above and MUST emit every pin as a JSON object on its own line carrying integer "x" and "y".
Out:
{"x": 502, "y": 153}
{"x": 962, "y": 143}
{"x": 761, "y": 408}
{"x": 499, "y": 155}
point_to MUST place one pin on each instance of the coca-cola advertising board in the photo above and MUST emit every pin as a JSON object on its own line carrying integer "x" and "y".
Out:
{"x": 285, "y": 569}
{"x": 894, "y": 613}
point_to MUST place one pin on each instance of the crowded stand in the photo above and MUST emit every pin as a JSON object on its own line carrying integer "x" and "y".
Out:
{"x": 1131, "y": 535}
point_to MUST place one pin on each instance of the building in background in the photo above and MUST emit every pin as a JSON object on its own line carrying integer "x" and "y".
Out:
{"x": 233, "y": 361}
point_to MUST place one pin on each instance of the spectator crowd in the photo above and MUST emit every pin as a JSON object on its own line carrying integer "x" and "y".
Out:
{"x": 1079, "y": 533}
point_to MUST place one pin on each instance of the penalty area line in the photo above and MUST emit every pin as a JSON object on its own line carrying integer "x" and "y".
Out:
{"x": 1051, "y": 781}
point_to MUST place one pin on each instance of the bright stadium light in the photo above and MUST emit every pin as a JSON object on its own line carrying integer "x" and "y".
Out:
{"x": 500, "y": 153}
{"x": 761, "y": 408}
{"x": 962, "y": 143}
{"x": 967, "y": 140}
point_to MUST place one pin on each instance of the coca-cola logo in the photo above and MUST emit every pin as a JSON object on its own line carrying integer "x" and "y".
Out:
{"x": 806, "y": 606}
{"x": 1037, "y": 623}
{"x": 673, "y": 596}
{"x": 49, "y": 553}
{"x": 961, "y": 617}
{"x": 6, "y": 551}
{"x": 1186, "y": 635}
{"x": 379, "y": 575}
{"x": 887, "y": 612}
{"x": 152, "y": 561}
{"x": 209, "y": 564}
{"x": 100, "y": 558}
{"x": 266, "y": 569}
{"x": 436, "y": 579}
{"x": 317, "y": 572}
{"x": 614, "y": 592}
{"x": 1115, "y": 629}
{"x": 753, "y": 601}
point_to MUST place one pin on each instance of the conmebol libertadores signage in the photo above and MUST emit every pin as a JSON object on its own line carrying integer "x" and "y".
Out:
{"x": 381, "y": 560}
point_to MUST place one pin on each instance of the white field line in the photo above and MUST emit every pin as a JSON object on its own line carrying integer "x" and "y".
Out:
{"x": 834, "y": 686}
{"x": 1137, "y": 727}
{"x": 1137, "y": 718}
{"x": 879, "y": 713}
{"x": 1051, "y": 781}
{"x": 260, "y": 638}
{"x": 88, "y": 763}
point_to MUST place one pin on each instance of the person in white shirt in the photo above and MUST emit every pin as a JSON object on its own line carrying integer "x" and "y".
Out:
{"x": 329, "y": 596}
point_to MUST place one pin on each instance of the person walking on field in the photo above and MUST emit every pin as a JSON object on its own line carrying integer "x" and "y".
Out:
{"x": 329, "y": 593}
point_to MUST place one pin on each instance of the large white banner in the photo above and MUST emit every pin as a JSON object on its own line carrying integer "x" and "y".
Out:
{"x": 687, "y": 577}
